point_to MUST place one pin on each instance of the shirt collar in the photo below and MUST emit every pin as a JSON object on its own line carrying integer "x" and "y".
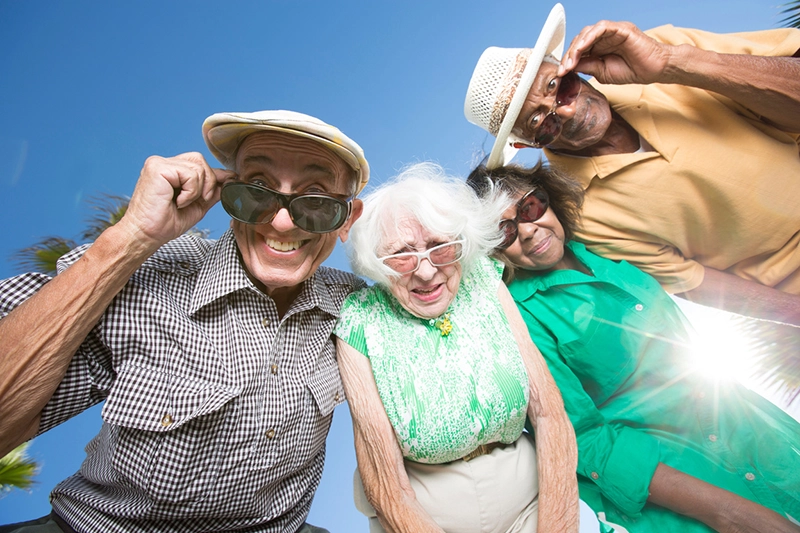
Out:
{"x": 539, "y": 282}
{"x": 222, "y": 273}
{"x": 631, "y": 105}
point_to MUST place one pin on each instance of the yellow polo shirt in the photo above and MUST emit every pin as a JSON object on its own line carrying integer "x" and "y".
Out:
{"x": 720, "y": 189}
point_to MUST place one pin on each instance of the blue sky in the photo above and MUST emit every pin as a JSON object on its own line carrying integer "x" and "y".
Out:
{"x": 89, "y": 90}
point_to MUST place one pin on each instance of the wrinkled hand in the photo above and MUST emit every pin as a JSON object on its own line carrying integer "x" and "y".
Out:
{"x": 616, "y": 53}
{"x": 172, "y": 195}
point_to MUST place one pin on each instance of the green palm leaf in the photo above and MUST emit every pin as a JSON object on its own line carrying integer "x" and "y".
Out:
{"x": 776, "y": 359}
{"x": 17, "y": 470}
{"x": 792, "y": 12}
{"x": 42, "y": 256}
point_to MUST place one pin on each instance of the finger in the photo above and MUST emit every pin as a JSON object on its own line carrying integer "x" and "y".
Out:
{"x": 199, "y": 179}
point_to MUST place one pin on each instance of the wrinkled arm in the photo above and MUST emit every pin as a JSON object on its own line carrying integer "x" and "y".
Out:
{"x": 718, "y": 508}
{"x": 557, "y": 453}
{"x": 749, "y": 298}
{"x": 380, "y": 462}
{"x": 42, "y": 334}
{"x": 619, "y": 53}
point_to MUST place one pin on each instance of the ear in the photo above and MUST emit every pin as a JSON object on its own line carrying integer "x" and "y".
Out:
{"x": 355, "y": 214}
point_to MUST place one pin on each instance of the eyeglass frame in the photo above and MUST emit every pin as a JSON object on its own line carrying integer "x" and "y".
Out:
{"x": 552, "y": 113}
{"x": 515, "y": 220}
{"x": 285, "y": 201}
{"x": 424, "y": 255}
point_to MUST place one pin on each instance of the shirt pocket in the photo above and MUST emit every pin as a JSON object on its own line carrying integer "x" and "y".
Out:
{"x": 169, "y": 432}
{"x": 324, "y": 391}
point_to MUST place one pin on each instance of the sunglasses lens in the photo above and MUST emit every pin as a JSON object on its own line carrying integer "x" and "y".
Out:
{"x": 252, "y": 204}
{"x": 548, "y": 130}
{"x": 568, "y": 89}
{"x": 318, "y": 214}
{"x": 402, "y": 263}
{"x": 445, "y": 254}
{"x": 249, "y": 204}
{"x": 533, "y": 207}
{"x": 509, "y": 229}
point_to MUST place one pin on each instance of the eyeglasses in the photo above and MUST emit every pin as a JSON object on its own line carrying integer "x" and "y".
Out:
{"x": 441, "y": 255}
{"x": 313, "y": 212}
{"x": 530, "y": 208}
{"x": 549, "y": 127}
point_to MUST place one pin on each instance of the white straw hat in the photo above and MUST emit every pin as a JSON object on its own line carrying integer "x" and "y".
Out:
{"x": 224, "y": 132}
{"x": 501, "y": 82}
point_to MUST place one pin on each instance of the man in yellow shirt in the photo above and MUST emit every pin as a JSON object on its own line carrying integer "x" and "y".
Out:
{"x": 687, "y": 150}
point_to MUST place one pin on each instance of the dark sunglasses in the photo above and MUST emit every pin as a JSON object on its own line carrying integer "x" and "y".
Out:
{"x": 312, "y": 212}
{"x": 530, "y": 208}
{"x": 569, "y": 87}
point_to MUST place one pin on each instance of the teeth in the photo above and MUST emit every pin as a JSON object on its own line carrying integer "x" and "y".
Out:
{"x": 283, "y": 246}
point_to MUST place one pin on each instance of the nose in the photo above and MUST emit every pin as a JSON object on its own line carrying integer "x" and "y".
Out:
{"x": 282, "y": 221}
{"x": 526, "y": 230}
{"x": 565, "y": 112}
{"x": 426, "y": 270}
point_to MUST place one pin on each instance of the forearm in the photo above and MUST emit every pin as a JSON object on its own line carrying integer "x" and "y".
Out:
{"x": 718, "y": 508}
{"x": 41, "y": 335}
{"x": 749, "y": 298}
{"x": 557, "y": 460}
{"x": 392, "y": 497}
{"x": 769, "y": 86}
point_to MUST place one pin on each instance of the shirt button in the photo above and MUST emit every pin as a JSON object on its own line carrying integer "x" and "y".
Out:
{"x": 594, "y": 475}
{"x": 265, "y": 322}
{"x": 336, "y": 397}
{"x": 712, "y": 438}
{"x": 639, "y": 307}
{"x": 270, "y": 434}
{"x": 274, "y": 369}
{"x": 167, "y": 420}
{"x": 750, "y": 476}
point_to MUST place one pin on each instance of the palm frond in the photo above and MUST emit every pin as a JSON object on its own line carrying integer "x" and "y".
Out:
{"x": 776, "y": 355}
{"x": 17, "y": 470}
{"x": 792, "y": 12}
{"x": 108, "y": 209}
{"x": 43, "y": 255}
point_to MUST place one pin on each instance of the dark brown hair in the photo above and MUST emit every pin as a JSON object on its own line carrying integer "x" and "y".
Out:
{"x": 566, "y": 194}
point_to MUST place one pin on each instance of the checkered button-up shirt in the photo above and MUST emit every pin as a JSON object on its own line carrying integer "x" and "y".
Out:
{"x": 216, "y": 409}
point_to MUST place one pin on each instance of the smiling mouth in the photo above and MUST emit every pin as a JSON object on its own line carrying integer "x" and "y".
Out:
{"x": 282, "y": 246}
{"x": 427, "y": 292}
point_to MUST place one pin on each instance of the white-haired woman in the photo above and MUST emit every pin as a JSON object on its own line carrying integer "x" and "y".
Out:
{"x": 440, "y": 373}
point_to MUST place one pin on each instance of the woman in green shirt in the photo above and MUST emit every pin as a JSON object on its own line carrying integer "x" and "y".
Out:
{"x": 660, "y": 447}
{"x": 438, "y": 383}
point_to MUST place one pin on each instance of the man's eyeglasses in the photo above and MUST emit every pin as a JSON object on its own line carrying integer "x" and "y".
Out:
{"x": 530, "y": 208}
{"x": 441, "y": 255}
{"x": 312, "y": 212}
{"x": 549, "y": 127}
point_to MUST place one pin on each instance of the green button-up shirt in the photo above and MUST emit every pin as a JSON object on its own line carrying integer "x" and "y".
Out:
{"x": 617, "y": 346}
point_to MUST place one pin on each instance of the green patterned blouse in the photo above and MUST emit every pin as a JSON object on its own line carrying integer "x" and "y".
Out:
{"x": 444, "y": 394}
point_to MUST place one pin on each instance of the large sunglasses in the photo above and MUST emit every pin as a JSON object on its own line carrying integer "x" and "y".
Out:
{"x": 312, "y": 212}
{"x": 530, "y": 208}
{"x": 549, "y": 127}
{"x": 441, "y": 255}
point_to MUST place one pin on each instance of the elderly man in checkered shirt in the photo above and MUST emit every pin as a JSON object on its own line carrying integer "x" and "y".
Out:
{"x": 214, "y": 358}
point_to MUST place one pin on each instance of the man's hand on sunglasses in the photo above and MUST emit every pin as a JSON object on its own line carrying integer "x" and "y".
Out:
{"x": 172, "y": 195}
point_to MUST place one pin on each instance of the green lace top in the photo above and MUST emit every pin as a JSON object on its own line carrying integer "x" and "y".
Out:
{"x": 444, "y": 394}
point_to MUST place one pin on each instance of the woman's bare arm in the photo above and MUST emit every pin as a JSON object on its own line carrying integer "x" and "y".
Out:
{"x": 379, "y": 459}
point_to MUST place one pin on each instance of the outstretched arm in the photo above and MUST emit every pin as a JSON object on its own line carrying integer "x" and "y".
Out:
{"x": 620, "y": 53}
{"x": 380, "y": 462}
{"x": 41, "y": 335}
{"x": 749, "y": 298}
{"x": 718, "y": 508}
{"x": 556, "y": 449}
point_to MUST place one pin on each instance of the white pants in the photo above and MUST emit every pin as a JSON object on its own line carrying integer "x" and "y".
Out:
{"x": 492, "y": 493}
